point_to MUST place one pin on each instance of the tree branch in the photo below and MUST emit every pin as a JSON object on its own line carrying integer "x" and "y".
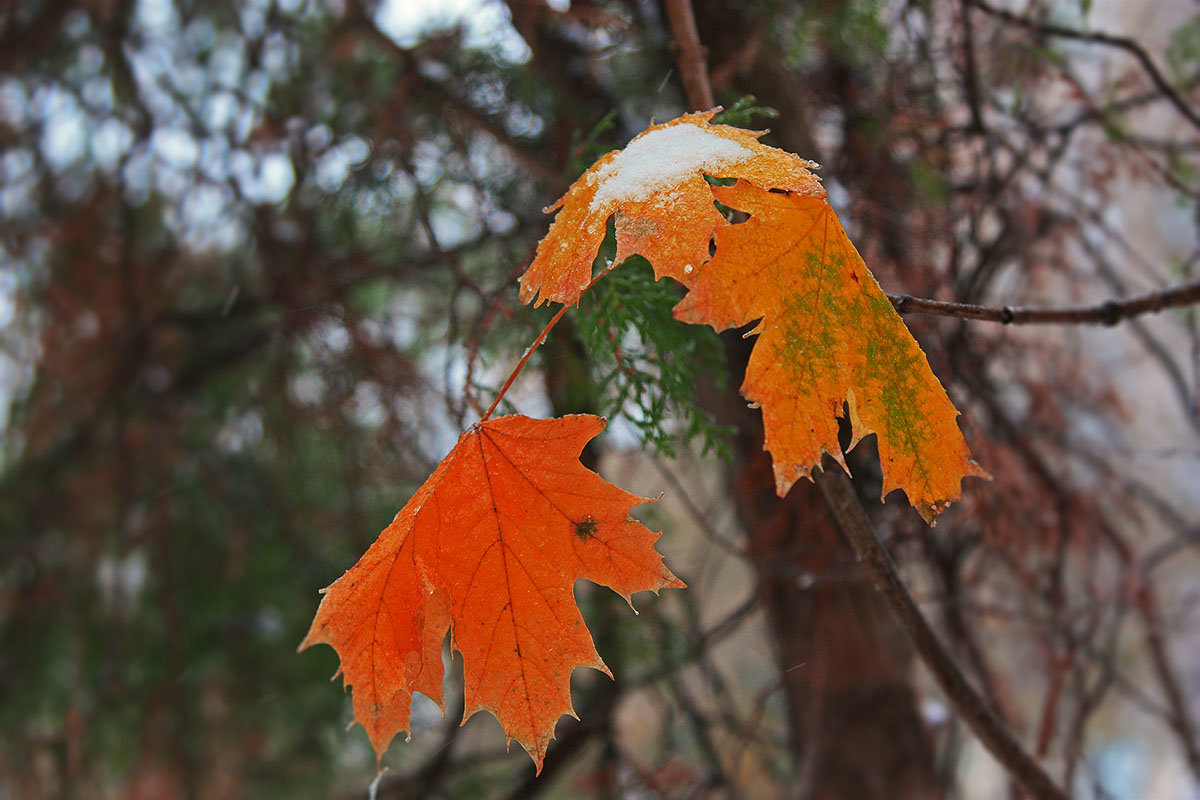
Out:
{"x": 691, "y": 55}
{"x": 1128, "y": 45}
{"x": 477, "y": 119}
{"x": 974, "y": 710}
{"x": 480, "y": 121}
{"x": 1110, "y": 312}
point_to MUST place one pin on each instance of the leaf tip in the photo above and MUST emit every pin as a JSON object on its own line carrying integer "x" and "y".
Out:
{"x": 974, "y": 470}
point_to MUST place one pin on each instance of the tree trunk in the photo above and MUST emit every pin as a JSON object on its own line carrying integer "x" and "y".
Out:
{"x": 856, "y": 731}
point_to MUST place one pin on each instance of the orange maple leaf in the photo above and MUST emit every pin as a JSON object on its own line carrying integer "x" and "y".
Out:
{"x": 828, "y": 335}
{"x": 489, "y": 548}
{"x": 664, "y": 207}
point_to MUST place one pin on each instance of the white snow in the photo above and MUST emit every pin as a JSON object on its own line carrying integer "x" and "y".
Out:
{"x": 661, "y": 158}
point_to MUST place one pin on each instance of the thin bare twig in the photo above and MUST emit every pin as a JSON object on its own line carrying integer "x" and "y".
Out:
{"x": 476, "y": 118}
{"x": 1110, "y": 312}
{"x": 974, "y": 710}
{"x": 1128, "y": 45}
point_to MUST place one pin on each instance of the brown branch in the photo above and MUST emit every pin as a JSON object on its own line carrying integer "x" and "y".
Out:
{"x": 974, "y": 710}
{"x": 359, "y": 19}
{"x": 971, "y": 75}
{"x": 1128, "y": 45}
{"x": 1179, "y": 715}
{"x": 691, "y": 55}
{"x": 529, "y": 159}
{"x": 1110, "y": 312}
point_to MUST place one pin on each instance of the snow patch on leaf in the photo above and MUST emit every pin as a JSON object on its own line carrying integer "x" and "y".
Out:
{"x": 663, "y": 207}
{"x": 663, "y": 158}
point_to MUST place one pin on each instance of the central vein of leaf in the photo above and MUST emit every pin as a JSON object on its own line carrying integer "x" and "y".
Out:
{"x": 504, "y": 553}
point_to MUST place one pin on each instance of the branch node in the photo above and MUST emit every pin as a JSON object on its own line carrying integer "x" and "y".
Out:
{"x": 1110, "y": 312}
{"x": 1007, "y": 316}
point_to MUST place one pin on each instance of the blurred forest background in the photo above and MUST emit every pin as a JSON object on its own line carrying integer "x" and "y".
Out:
{"x": 258, "y": 264}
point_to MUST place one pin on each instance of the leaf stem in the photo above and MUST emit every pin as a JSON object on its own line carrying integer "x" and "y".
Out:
{"x": 537, "y": 342}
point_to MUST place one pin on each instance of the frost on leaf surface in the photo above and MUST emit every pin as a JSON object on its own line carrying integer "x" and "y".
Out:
{"x": 489, "y": 548}
{"x": 664, "y": 208}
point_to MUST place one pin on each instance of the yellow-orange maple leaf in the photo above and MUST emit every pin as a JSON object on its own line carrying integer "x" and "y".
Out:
{"x": 489, "y": 548}
{"x": 664, "y": 207}
{"x": 828, "y": 335}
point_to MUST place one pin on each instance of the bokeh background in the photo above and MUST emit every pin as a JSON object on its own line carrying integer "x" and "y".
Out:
{"x": 258, "y": 267}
